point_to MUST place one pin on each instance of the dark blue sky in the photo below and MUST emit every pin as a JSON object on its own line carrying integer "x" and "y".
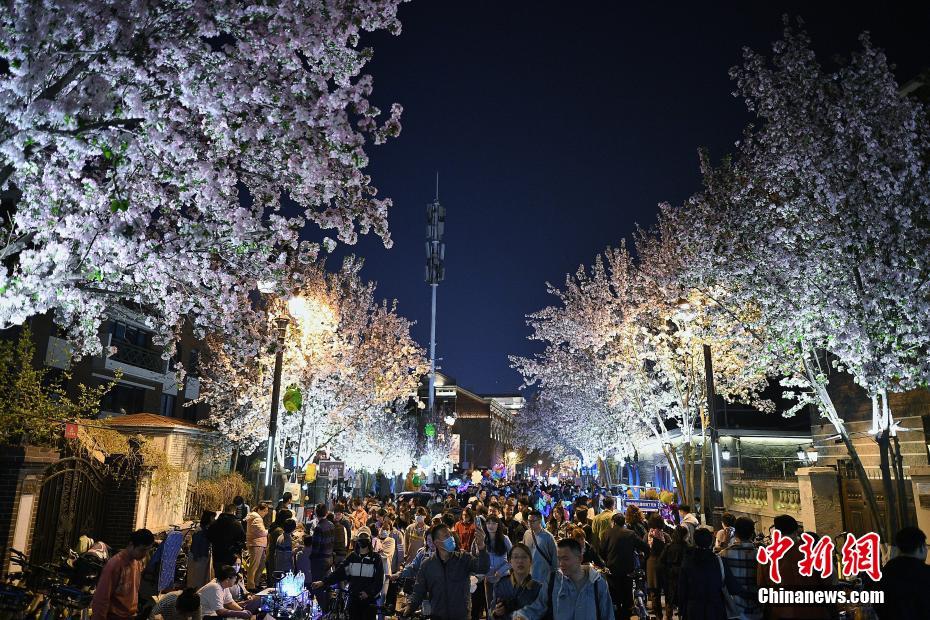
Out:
{"x": 556, "y": 127}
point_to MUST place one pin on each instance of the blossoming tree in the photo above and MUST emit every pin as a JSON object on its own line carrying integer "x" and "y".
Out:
{"x": 351, "y": 359}
{"x": 146, "y": 150}
{"x": 823, "y": 220}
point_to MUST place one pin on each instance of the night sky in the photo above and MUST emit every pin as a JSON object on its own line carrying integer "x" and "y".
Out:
{"x": 556, "y": 127}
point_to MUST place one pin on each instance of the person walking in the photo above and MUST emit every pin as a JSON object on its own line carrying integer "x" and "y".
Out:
{"x": 575, "y": 592}
{"x": 321, "y": 545}
{"x": 498, "y": 545}
{"x": 619, "y": 548}
{"x": 657, "y": 540}
{"x": 906, "y": 579}
{"x": 256, "y": 541}
{"x": 465, "y": 528}
{"x": 415, "y": 535}
{"x": 700, "y": 585}
{"x": 724, "y": 536}
{"x": 242, "y": 508}
{"x": 116, "y": 596}
{"x": 199, "y": 561}
{"x": 363, "y": 568}
{"x": 739, "y": 560}
{"x": 227, "y": 537}
{"x": 542, "y": 544}
{"x": 689, "y": 520}
{"x": 516, "y": 590}
{"x": 602, "y": 523}
{"x": 444, "y": 579}
{"x": 670, "y": 561}
{"x": 342, "y": 533}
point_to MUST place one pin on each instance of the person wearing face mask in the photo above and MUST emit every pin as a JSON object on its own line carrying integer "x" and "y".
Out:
{"x": 364, "y": 570}
{"x": 444, "y": 579}
{"x": 392, "y": 552}
{"x": 415, "y": 536}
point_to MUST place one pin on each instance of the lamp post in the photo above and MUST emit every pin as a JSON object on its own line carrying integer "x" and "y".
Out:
{"x": 281, "y": 323}
{"x": 717, "y": 493}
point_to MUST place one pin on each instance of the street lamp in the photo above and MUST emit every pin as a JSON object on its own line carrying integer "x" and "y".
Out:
{"x": 299, "y": 309}
{"x": 281, "y": 325}
{"x": 725, "y": 454}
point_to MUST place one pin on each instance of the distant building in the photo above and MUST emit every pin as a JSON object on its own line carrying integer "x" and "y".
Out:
{"x": 484, "y": 425}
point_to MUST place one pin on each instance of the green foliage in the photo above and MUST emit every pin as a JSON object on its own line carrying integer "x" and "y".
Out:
{"x": 34, "y": 403}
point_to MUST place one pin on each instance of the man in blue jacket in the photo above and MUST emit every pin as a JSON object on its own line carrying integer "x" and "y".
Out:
{"x": 575, "y": 592}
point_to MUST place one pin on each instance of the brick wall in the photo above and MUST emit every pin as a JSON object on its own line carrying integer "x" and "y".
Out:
{"x": 21, "y": 469}
{"x": 122, "y": 503}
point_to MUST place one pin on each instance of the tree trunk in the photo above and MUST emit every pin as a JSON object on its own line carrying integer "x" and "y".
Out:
{"x": 672, "y": 456}
{"x": 891, "y": 505}
{"x": 898, "y": 463}
{"x": 829, "y": 411}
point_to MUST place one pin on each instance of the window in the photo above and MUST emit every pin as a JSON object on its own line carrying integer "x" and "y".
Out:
{"x": 124, "y": 399}
{"x": 167, "y": 405}
{"x": 193, "y": 363}
{"x": 129, "y": 335}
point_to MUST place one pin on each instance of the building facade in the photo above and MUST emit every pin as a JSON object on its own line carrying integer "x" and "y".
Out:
{"x": 483, "y": 427}
{"x": 146, "y": 381}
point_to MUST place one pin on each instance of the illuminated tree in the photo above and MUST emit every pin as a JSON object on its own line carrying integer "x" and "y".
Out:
{"x": 146, "y": 149}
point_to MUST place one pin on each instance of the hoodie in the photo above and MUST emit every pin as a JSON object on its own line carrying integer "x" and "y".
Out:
{"x": 570, "y": 602}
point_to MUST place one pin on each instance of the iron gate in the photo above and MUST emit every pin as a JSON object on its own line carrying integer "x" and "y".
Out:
{"x": 71, "y": 503}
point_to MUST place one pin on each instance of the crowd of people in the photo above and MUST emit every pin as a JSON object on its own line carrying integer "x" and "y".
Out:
{"x": 507, "y": 552}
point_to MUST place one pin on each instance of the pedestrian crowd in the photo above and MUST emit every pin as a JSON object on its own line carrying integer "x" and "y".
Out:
{"x": 516, "y": 551}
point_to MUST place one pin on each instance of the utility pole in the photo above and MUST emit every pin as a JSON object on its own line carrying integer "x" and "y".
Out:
{"x": 435, "y": 273}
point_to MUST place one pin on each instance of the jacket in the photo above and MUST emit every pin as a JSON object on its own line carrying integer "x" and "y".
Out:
{"x": 545, "y": 558}
{"x": 447, "y": 585}
{"x": 570, "y": 602}
{"x": 227, "y": 537}
{"x": 342, "y": 535}
{"x": 600, "y": 525}
{"x": 517, "y": 597}
{"x": 906, "y": 582}
{"x": 691, "y": 522}
{"x": 255, "y": 533}
{"x": 321, "y": 548}
{"x": 700, "y": 587}
{"x": 117, "y": 593}
{"x": 617, "y": 548}
{"x": 365, "y": 573}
